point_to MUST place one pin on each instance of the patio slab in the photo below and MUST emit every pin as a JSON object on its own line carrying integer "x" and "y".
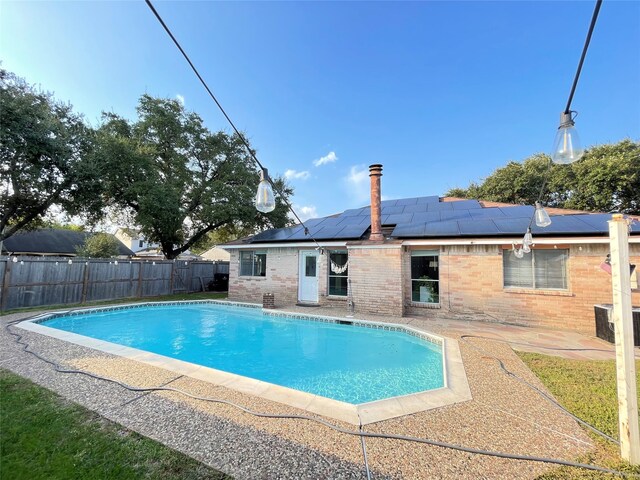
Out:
{"x": 503, "y": 415}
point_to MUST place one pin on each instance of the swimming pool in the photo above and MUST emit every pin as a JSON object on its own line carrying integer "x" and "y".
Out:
{"x": 331, "y": 358}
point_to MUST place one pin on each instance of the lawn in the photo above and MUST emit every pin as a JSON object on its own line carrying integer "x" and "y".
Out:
{"x": 163, "y": 298}
{"x": 588, "y": 390}
{"x": 44, "y": 436}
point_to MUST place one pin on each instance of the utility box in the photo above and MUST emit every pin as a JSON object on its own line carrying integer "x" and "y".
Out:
{"x": 604, "y": 323}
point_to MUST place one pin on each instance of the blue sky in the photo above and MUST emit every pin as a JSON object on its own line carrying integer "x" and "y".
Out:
{"x": 440, "y": 93}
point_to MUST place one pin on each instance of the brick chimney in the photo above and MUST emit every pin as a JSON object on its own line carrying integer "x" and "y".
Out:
{"x": 375, "y": 172}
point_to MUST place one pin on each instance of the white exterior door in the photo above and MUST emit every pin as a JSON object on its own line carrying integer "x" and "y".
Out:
{"x": 308, "y": 276}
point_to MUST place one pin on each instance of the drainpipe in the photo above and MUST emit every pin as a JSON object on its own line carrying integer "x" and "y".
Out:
{"x": 375, "y": 172}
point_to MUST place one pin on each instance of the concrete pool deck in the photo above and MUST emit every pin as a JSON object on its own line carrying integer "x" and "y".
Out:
{"x": 503, "y": 414}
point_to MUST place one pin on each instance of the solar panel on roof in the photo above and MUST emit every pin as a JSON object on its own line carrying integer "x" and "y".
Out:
{"x": 465, "y": 204}
{"x": 392, "y": 210}
{"x": 486, "y": 213}
{"x": 388, "y": 203}
{"x": 512, "y": 226}
{"x": 429, "y": 199}
{"x": 596, "y": 221}
{"x": 419, "y": 207}
{"x": 432, "y": 207}
{"x": 426, "y": 217}
{"x": 353, "y": 220}
{"x": 398, "y": 219}
{"x": 352, "y": 231}
{"x": 407, "y": 201}
{"x": 408, "y": 230}
{"x": 455, "y": 215}
{"x": 567, "y": 224}
{"x": 478, "y": 227}
{"x": 517, "y": 211}
{"x": 329, "y": 233}
{"x": 445, "y": 229}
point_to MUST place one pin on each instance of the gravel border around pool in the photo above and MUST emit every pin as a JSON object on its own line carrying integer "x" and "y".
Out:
{"x": 503, "y": 415}
{"x": 456, "y": 388}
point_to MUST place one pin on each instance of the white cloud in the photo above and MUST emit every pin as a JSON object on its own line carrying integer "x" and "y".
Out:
{"x": 358, "y": 184}
{"x": 328, "y": 158}
{"x": 292, "y": 174}
{"x": 180, "y": 98}
{"x": 305, "y": 212}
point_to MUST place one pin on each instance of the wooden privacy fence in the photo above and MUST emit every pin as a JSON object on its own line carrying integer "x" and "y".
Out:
{"x": 41, "y": 281}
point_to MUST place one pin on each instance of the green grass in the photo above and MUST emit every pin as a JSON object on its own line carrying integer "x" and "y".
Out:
{"x": 162, "y": 298}
{"x": 587, "y": 389}
{"x": 43, "y": 436}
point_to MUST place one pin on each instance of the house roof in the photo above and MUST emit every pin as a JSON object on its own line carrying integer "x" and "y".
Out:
{"x": 436, "y": 217}
{"x": 50, "y": 241}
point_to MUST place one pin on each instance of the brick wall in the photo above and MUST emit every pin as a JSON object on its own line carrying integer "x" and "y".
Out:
{"x": 281, "y": 278}
{"x": 471, "y": 282}
{"x": 376, "y": 279}
{"x": 471, "y": 285}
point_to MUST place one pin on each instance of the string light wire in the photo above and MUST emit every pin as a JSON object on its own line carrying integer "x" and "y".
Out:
{"x": 585, "y": 48}
{"x": 235, "y": 129}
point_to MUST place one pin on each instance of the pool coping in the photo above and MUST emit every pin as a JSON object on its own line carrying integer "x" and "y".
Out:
{"x": 456, "y": 387}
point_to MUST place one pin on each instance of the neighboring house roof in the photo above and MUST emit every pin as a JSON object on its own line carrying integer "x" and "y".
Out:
{"x": 217, "y": 254}
{"x": 435, "y": 217}
{"x": 50, "y": 241}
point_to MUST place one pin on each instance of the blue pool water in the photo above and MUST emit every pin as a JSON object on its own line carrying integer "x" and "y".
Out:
{"x": 344, "y": 362}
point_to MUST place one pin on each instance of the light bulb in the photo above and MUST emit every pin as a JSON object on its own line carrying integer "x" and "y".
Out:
{"x": 70, "y": 262}
{"x": 265, "y": 200}
{"x": 15, "y": 260}
{"x": 528, "y": 238}
{"x": 116, "y": 262}
{"x": 542, "y": 217}
{"x": 518, "y": 253}
{"x": 526, "y": 248}
{"x": 567, "y": 147}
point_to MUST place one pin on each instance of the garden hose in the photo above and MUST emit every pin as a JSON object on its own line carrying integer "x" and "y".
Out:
{"x": 361, "y": 434}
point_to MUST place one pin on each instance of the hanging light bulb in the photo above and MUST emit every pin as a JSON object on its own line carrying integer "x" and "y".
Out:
{"x": 70, "y": 262}
{"x": 528, "y": 238}
{"x": 526, "y": 248}
{"x": 542, "y": 217}
{"x": 265, "y": 200}
{"x": 518, "y": 253}
{"x": 567, "y": 147}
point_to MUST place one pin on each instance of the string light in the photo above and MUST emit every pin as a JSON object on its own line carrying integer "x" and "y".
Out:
{"x": 235, "y": 129}
{"x": 567, "y": 147}
{"x": 541, "y": 216}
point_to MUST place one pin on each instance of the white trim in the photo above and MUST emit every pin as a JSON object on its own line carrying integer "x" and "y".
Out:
{"x": 441, "y": 241}
{"x": 374, "y": 247}
{"x": 254, "y": 246}
{"x": 509, "y": 240}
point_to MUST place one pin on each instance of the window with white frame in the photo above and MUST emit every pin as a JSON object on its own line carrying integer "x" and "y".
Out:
{"x": 253, "y": 264}
{"x": 540, "y": 269}
{"x": 425, "y": 276}
{"x": 338, "y": 272}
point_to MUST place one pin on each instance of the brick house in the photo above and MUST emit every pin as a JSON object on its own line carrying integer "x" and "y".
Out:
{"x": 435, "y": 256}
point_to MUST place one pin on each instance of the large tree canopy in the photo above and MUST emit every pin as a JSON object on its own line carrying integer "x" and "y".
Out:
{"x": 176, "y": 179}
{"x": 607, "y": 179}
{"x": 43, "y": 155}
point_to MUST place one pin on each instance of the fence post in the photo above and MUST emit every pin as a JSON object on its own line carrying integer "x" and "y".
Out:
{"x": 85, "y": 281}
{"x": 140, "y": 264}
{"x": 173, "y": 271}
{"x": 5, "y": 284}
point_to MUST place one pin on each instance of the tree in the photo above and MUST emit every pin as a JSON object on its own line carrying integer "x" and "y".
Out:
{"x": 99, "y": 245}
{"x": 176, "y": 179}
{"x": 607, "y": 179}
{"x": 43, "y": 146}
